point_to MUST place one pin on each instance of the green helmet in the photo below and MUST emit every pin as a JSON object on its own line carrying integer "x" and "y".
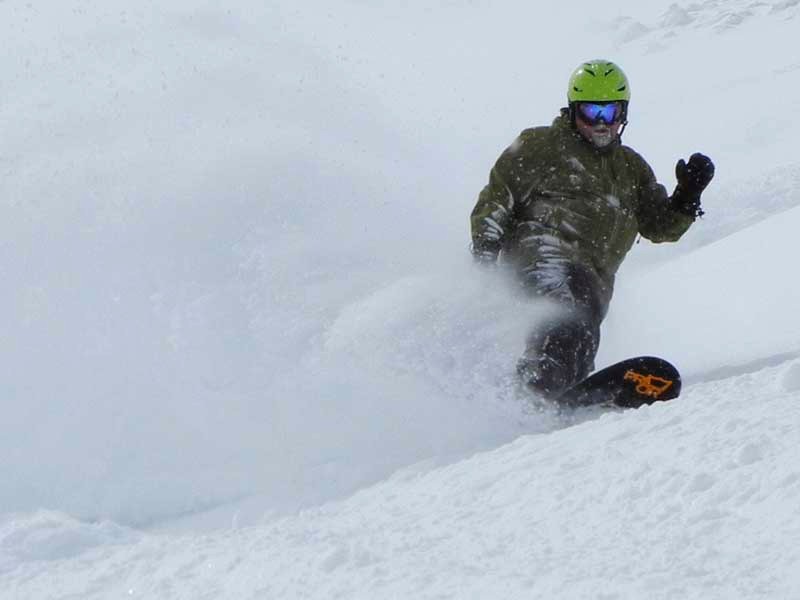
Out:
{"x": 598, "y": 81}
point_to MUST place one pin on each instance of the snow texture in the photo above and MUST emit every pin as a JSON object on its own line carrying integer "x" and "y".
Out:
{"x": 694, "y": 499}
{"x": 245, "y": 352}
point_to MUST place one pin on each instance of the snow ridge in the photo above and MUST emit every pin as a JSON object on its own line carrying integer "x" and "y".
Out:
{"x": 718, "y": 16}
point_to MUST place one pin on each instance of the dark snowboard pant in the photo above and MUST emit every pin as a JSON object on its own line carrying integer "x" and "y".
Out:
{"x": 561, "y": 351}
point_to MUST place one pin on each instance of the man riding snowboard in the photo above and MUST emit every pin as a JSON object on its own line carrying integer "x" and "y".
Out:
{"x": 563, "y": 206}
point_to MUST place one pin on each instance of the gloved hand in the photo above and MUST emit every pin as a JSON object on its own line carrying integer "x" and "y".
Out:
{"x": 693, "y": 177}
{"x": 485, "y": 254}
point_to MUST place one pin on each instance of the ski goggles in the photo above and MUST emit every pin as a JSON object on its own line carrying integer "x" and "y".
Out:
{"x": 594, "y": 112}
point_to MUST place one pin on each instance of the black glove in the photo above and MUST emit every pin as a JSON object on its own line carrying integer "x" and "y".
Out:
{"x": 693, "y": 177}
{"x": 696, "y": 175}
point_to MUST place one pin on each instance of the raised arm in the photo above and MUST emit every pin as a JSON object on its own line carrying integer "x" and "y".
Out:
{"x": 665, "y": 218}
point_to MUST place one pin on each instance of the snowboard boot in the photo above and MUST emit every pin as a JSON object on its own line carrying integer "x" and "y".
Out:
{"x": 558, "y": 356}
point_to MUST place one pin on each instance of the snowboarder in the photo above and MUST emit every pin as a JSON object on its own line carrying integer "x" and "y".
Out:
{"x": 563, "y": 206}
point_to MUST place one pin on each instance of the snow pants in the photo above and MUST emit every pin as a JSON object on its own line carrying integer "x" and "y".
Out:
{"x": 561, "y": 351}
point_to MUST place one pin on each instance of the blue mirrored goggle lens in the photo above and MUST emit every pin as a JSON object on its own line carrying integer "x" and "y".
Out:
{"x": 592, "y": 112}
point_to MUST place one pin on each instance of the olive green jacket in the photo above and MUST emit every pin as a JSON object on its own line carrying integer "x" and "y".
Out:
{"x": 553, "y": 197}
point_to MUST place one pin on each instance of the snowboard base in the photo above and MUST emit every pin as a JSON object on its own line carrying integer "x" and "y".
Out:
{"x": 629, "y": 383}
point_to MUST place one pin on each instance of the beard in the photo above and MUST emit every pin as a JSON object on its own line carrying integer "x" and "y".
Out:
{"x": 602, "y": 136}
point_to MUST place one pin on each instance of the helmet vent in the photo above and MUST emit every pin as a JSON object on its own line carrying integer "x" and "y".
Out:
{"x": 598, "y": 81}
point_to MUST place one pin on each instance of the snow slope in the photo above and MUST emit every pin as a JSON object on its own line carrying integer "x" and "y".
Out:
{"x": 698, "y": 498}
{"x": 245, "y": 354}
{"x": 736, "y": 293}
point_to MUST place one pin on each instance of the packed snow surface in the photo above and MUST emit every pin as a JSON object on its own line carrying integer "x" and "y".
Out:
{"x": 697, "y": 498}
{"x": 245, "y": 353}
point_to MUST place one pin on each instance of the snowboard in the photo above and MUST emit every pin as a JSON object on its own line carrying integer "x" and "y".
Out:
{"x": 626, "y": 384}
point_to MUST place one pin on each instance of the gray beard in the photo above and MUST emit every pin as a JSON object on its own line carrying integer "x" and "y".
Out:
{"x": 601, "y": 140}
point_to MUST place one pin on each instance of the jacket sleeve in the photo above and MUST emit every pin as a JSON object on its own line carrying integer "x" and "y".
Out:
{"x": 493, "y": 214}
{"x": 658, "y": 222}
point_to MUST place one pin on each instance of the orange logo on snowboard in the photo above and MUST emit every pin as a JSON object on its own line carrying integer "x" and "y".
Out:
{"x": 648, "y": 385}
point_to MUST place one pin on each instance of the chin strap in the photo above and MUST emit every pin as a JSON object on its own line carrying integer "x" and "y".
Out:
{"x": 622, "y": 129}
{"x": 624, "y": 121}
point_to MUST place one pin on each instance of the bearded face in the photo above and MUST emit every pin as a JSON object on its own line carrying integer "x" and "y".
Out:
{"x": 599, "y": 122}
{"x": 600, "y": 135}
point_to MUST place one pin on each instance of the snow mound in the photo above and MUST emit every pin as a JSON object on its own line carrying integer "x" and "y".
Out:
{"x": 47, "y": 536}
